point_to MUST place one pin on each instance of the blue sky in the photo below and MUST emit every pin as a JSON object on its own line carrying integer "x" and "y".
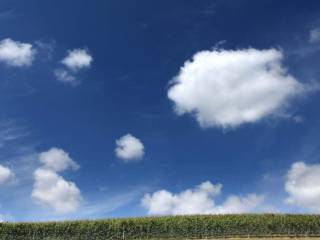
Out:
{"x": 133, "y": 108}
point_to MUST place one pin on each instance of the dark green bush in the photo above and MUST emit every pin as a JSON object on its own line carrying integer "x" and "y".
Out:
{"x": 180, "y": 227}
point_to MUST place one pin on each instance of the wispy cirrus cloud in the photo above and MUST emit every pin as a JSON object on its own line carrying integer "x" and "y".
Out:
{"x": 9, "y": 132}
{"x": 7, "y": 14}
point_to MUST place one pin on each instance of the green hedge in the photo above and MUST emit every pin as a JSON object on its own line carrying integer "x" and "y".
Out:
{"x": 180, "y": 227}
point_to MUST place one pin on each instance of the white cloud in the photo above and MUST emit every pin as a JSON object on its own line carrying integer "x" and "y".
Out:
{"x": 54, "y": 191}
{"x": 5, "y": 174}
{"x": 57, "y": 160}
{"x": 236, "y": 204}
{"x": 64, "y": 76}
{"x": 200, "y": 200}
{"x": 303, "y": 186}
{"x": 129, "y": 148}
{"x": 226, "y": 88}
{"x": 17, "y": 54}
{"x": 314, "y": 35}
{"x": 51, "y": 189}
{"x": 77, "y": 59}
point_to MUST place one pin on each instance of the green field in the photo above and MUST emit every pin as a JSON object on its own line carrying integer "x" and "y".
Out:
{"x": 179, "y": 227}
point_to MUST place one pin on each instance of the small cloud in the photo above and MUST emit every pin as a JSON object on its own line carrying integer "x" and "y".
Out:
{"x": 16, "y": 54}
{"x": 314, "y": 36}
{"x": 52, "y": 190}
{"x": 199, "y": 200}
{"x": 77, "y": 59}
{"x": 64, "y": 76}
{"x": 129, "y": 148}
{"x": 5, "y": 174}
{"x": 303, "y": 186}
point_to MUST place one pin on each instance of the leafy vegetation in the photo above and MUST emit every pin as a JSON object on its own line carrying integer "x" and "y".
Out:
{"x": 179, "y": 227}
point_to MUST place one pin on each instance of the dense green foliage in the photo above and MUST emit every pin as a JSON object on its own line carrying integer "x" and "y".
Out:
{"x": 180, "y": 227}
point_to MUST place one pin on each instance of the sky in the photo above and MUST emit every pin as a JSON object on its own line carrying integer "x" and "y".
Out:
{"x": 136, "y": 108}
